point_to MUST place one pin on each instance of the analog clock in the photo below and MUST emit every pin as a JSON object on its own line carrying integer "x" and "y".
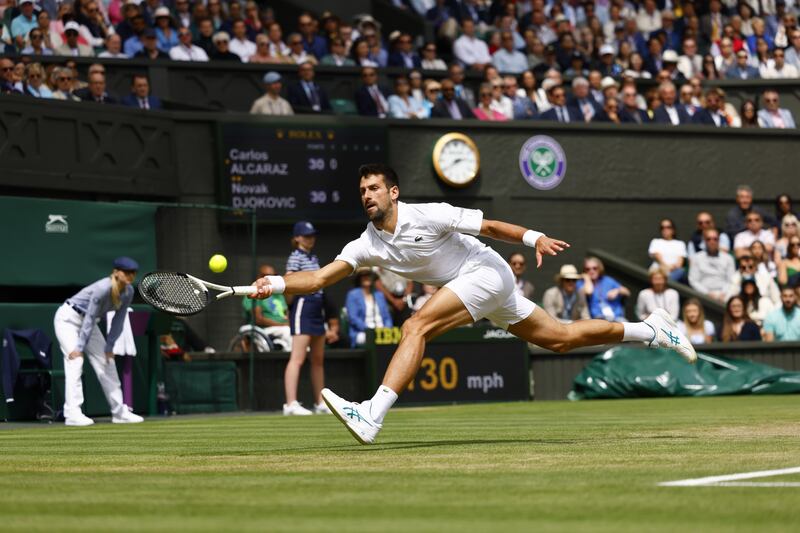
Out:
{"x": 456, "y": 159}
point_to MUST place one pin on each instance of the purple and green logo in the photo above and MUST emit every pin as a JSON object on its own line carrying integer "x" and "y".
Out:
{"x": 542, "y": 162}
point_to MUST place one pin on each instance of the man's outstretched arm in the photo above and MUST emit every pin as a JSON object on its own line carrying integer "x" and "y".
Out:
{"x": 302, "y": 282}
{"x": 503, "y": 231}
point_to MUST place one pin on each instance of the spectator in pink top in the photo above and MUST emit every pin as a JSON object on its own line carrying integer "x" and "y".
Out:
{"x": 484, "y": 110}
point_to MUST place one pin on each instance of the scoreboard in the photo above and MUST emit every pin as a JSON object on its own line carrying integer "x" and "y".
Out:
{"x": 463, "y": 365}
{"x": 291, "y": 172}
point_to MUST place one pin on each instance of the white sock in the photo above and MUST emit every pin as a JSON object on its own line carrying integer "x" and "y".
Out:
{"x": 380, "y": 404}
{"x": 637, "y": 331}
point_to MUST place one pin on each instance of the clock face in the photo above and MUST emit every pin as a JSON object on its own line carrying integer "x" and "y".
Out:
{"x": 456, "y": 160}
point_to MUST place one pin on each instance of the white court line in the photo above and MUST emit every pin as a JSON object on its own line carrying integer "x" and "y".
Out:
{"x": 717, "y": 480}
{"x": 757, "y": 484}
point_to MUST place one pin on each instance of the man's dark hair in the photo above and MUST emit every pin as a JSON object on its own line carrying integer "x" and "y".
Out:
{"x": 378, "y": 169}
{"x": 139, "y": 75}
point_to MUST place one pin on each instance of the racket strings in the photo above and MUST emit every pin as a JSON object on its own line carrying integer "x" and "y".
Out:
{"x": 173, "y": 293}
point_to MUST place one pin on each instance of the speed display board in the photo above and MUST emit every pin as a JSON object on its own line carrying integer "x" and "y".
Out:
{"x": 464, "y": 365}
{"x": 291, "y": 172}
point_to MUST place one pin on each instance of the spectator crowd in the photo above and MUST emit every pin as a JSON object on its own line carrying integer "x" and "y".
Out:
{"x": 756, "y": 278}
{"x": 566, "y": 61}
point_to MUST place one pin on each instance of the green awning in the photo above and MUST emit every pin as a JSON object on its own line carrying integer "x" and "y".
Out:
{"x": 64, "y": 242}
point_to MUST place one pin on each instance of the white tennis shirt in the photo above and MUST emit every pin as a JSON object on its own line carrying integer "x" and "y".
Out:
{"x": 428, "y": 246}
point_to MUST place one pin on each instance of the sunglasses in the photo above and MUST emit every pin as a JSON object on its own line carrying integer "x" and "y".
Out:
{"x": 667, "y": 227}
{"x": 753, "y": 220}
{"x": 712, "y": 239}
{"x": 704, "y": 222}
{"x": 770, "y": 100}
{"x": 591, "y": 269}
{"x": 486, "y": 94}
{"x": 64, "y": 79}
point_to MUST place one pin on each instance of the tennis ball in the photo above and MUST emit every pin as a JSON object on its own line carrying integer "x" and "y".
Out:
{"x": 217, "y": 263}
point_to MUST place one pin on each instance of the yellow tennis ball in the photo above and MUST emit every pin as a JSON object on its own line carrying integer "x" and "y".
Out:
{"x": 217, "y": 263}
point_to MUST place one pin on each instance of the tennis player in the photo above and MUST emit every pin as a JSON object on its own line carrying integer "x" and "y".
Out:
{"x": 435, "y": 244}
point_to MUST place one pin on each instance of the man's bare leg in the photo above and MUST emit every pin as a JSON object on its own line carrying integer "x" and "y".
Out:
{"x": 443, "y": 312}
{"x": 543, "y": 330}
{"x": 658, "y": 331}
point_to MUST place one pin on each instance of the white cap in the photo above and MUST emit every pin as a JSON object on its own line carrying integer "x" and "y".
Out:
{"x": 221, "y": 36}
{"x": 607, "y": 49}
{"x": 669, "y": 56}
{"x": 162, "y": 12}
{"x": 607, "y": 82}
{"x": 549, "y": 83}
{"x": 72, "y": 25}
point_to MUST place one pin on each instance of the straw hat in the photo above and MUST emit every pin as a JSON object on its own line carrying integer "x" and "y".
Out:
{"x": 567, "y": 272}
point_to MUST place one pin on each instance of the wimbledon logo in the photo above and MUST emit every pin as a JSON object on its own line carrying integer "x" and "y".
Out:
{"x": 542, "y": 162}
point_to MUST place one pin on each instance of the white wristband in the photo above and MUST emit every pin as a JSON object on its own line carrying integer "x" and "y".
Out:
{"x": 278, "y": 284}
{"x": 530, "y": 237}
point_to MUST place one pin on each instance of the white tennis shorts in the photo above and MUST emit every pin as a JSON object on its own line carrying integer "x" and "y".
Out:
{"x": 486, "y": 286}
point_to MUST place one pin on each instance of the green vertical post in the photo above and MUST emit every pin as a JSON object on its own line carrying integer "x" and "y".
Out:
{"x": 254, "y": 267}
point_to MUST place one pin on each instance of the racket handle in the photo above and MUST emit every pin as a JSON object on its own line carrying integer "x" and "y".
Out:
{"x": 244, "y": 290}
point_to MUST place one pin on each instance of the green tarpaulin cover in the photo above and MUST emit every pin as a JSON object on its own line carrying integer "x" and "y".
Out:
{"x": 65, "y": 242}
{"x": 625, "y": 372}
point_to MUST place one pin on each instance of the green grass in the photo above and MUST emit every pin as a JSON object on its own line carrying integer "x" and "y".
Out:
{"x": 548, "y": 466}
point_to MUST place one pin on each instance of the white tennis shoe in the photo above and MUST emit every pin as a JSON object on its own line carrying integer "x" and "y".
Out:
{"x": 321, "y": 409}
{"x": 295, "y": 409}
{"x": 126, "y": 416}
{"x": 78, "y": 420}
{"x": 667, "y": 335}
{"x": 354, "y": 416}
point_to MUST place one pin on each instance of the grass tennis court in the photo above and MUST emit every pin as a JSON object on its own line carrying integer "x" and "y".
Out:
{"x": 504, "y": 467}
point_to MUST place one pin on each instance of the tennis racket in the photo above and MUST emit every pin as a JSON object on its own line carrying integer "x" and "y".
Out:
{"x": 180, "y": 294}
